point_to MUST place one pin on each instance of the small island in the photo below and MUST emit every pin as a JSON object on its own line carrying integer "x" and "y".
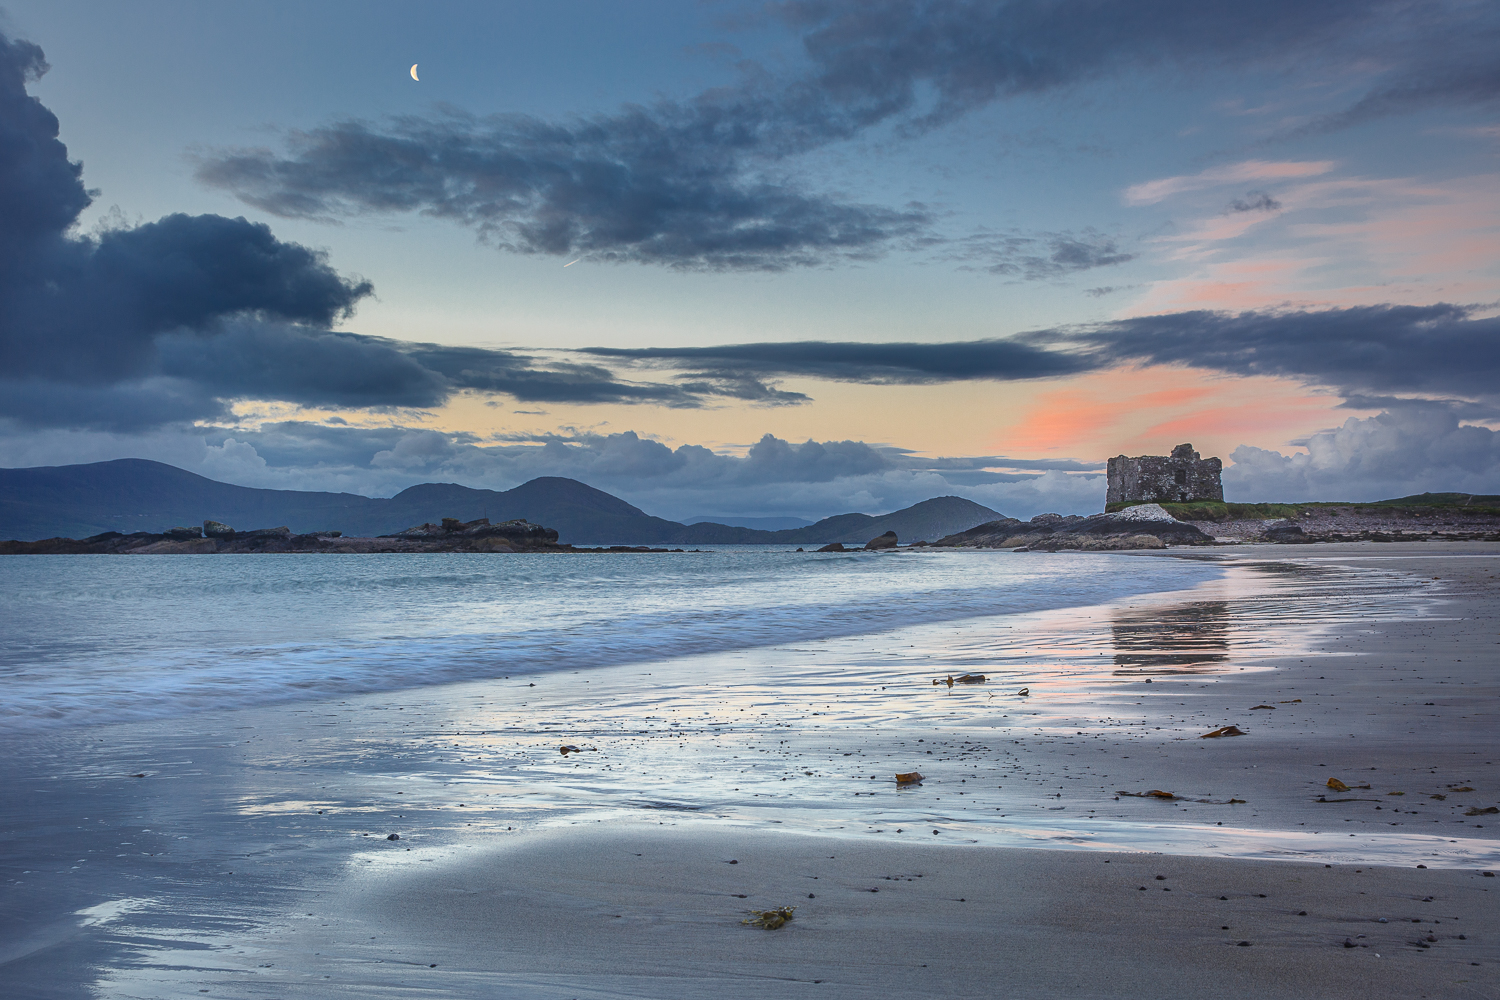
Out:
{"x": 214, "y": 537}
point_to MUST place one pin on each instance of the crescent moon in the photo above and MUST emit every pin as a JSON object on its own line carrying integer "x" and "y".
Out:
{"x": 414, "y": 73}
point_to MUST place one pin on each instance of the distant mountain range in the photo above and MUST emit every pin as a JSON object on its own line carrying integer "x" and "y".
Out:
{"x": 133, "y": 494}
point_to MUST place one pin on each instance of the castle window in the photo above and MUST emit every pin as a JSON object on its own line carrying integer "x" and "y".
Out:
{"x": 1181, "y": 477}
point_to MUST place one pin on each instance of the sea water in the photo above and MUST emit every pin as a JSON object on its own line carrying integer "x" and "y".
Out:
{"x": 91, "y": 639}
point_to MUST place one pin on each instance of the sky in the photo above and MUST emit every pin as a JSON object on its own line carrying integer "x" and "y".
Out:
{"x": 756, "y": 259}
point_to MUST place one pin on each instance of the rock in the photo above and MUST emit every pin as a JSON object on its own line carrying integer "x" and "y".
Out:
{"x": 325, "y": 534}
{"x": 281, "y": 532}
{"x": 833, "y": 547}
{"x": 1144, "y": 512}
{"x": 180, "y": 534}
{"x": 1287, "y": 534}
{"x": 990, "y": 535}
{"x": 217, "y": 529}
{"x": 885, "y": 541}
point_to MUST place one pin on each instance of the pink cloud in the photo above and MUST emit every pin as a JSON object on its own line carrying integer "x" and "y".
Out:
{"x": 1151, "y": 192}
{"x": 1338, "y": 242}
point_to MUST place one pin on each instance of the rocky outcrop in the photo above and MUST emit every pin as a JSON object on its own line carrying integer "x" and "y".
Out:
{"x": 1145, "y": 527}
{"x": 481, "y": 535}
{"x": 450, "y": 536}
{"x": 833, "y": 547}
{"x": 885, "y": 541}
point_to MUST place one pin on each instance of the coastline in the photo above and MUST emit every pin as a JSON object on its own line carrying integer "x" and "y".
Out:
{"x": 533, "y": 907}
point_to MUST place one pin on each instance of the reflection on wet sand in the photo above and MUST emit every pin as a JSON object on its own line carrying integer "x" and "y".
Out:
{"x": 1186, "y": 639}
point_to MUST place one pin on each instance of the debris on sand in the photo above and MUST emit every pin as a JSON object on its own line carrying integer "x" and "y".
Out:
{"x": 1486, "y": 811}
{"x": 1337, "y": 785}
{"x": 962, "y": 679}
{"x": 1254, "y": 707}
{"x": 1155, "y": 793}
{"x": 769, "y": 919}
{"x": 909, "y": 778}
{"x": 1294, "y": 701}
{"x": 1024, "y": 693}
{"x": 1224, "y": 731}
{"x": 568, "y": 748}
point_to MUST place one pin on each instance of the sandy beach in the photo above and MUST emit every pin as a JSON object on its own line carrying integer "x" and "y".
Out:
{"x": 639, "y": 912}
{"x": 1025, "y": 864}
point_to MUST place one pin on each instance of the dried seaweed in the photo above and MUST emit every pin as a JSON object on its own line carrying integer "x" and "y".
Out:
{"x": 769, "y": 919}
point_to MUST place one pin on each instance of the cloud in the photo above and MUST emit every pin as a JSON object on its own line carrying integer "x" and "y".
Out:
{"x": 1151, "y": 192}
{"x": 883, "y": 364}
{"x": 705, "y": 183}
{"x": 1440, "y": 349}
{"x": 680, "y": 186}
{"x": 86, "y": 310}
{"x": 874, "y": 58}
{"x": 1035, "y": 257}
{"x": 1413, "y": 448}
{"x": 1255, "y": 201}
{"x": 172, "y": 321}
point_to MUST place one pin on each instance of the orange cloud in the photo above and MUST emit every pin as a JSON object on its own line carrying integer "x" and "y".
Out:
{"x": 1107, "y": 413}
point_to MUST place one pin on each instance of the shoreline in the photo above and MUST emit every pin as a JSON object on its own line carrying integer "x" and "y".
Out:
{"x": 517, "y": 867}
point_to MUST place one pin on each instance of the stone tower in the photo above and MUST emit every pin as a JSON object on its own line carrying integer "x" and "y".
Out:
{"x": 1180, "y": 477}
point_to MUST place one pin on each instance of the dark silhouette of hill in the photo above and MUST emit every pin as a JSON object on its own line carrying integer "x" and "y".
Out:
{"x": 132, "y": 494}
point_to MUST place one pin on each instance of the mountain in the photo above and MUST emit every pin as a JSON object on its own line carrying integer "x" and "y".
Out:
{"x": 763, "y": 523}
{"x": 133, "y": 494}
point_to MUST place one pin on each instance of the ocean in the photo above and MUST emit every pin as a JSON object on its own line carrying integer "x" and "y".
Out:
{"x": 92, "y": 639}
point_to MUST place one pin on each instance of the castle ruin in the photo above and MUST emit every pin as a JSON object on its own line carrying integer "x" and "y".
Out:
{"x": 1180, "y": 477}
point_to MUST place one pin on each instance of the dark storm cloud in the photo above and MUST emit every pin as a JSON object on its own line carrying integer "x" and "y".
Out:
{"x": 255, "y": 360}
{"x": 885, "y": 364}
{"x": 1437, "y": 349}
{"x": 700, "y": 183}
{"x": 129, "y": 406}
{"x": 87, "y": 310}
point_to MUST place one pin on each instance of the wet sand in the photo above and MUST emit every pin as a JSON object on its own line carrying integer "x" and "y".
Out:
{"x": 523, "y": 872}
{"x": 635, "y": 911}
{"x": 643, "y": 913}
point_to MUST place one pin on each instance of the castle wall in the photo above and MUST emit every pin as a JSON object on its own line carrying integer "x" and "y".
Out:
{"x": 1181, "y": 477}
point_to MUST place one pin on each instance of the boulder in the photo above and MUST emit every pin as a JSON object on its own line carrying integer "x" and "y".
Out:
{"x": 217, "y": 529}
{"x": 885, "y": 541}
{"x": 281, "y": 532}
{"x": 1287, "y": 534}
{"x": 833, "y": 547}
{"x": 181, "y": 534}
